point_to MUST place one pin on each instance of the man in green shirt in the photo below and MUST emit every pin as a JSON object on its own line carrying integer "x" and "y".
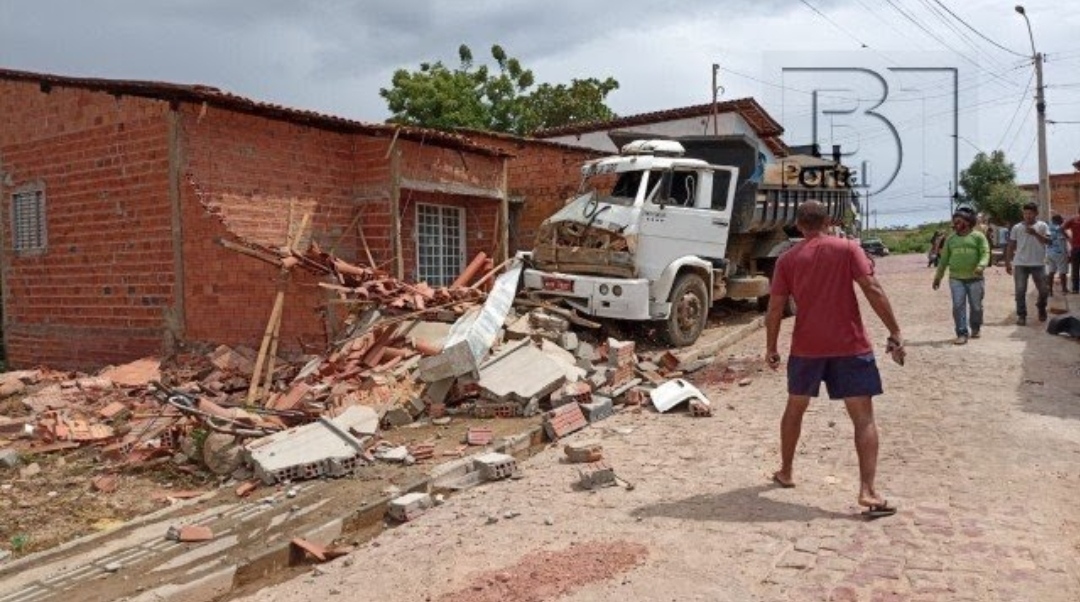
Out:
{"x": 965, "y": 254}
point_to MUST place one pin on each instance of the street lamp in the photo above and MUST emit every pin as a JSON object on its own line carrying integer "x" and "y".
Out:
{"x": 1040, "y": 114}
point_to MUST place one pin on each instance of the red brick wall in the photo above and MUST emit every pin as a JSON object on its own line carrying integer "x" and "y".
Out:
{"x": 99, "y": 291}
{"x": 248, "y": 171}
{"x": 478, "y": 219}
{"x": 1065, "y": 194}
{"x": 544, "y": 174}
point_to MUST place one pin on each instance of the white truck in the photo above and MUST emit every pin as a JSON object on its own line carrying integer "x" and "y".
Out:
{"x": 667, "y": 227}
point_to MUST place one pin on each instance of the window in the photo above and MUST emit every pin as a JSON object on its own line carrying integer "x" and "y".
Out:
{"x": 28, "y": 221}
{"x": 440, "y": 244}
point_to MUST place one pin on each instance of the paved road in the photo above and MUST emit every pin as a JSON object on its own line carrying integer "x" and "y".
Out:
{"x": 980, "y": 448}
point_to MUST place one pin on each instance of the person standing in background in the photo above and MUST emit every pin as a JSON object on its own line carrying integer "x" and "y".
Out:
{"x": 1026, "y": 257}
{"x": 1057, "y": 254}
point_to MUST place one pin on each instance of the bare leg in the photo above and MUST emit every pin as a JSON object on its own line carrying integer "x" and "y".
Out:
{"x": 861, "y": 411}
{"x": 790, "y": 429}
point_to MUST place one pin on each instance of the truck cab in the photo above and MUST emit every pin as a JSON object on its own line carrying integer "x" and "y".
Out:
{"x": 654, "y": 234}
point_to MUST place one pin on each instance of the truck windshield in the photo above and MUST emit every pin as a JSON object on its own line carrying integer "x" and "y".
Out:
{"x": 614, "y": 188}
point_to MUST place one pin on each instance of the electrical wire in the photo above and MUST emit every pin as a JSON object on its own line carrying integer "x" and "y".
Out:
{"x": 834, "y": 23}
{"x": 976, "y": 31}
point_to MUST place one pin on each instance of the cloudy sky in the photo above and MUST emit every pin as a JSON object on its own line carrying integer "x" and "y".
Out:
{"x": 334, "y": 55}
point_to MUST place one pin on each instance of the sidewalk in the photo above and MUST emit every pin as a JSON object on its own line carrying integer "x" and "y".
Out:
{"x": 979, "y": 450}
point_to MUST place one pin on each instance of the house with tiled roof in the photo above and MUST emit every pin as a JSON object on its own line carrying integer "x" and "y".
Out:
{"x": 117, "y": 196}
{"x": 743, "y": 116}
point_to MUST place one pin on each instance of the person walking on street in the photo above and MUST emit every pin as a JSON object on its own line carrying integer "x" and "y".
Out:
{"x": 1057, "y": 254}
{"x": 1072, "y": 228}
{"x": 934, "y": 254}
{"x": 965, "y": 255}
{"x": 1026, "y": 257}
{"x": 829, "y": 342}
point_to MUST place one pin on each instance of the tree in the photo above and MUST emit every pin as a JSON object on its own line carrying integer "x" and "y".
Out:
{"x": 472, "y": 96}
{"x": 980, "y": 178}
{"x": 1003, "y": 203}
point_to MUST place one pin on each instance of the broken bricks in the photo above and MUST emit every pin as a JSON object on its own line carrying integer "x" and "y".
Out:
{"x": 581, "y": 452}
{"x": 595, "y": 475}
{"x": 564, "y": 420}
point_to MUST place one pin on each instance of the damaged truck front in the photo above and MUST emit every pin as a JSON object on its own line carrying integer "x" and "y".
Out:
{"x": 667, "y": 227}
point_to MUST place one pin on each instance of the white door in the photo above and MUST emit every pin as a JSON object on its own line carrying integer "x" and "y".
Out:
{"x": 440, "y": 243}
{"x": 686, "y": 213}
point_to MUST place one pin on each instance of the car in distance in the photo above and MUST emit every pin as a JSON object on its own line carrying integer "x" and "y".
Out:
{"x": 874, "y": 246}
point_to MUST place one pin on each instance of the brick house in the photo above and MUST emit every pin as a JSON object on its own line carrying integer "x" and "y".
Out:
{"x": 116, "y": 195}
{"x": 545, "y": 170}
{"x": 1064, "y": 192}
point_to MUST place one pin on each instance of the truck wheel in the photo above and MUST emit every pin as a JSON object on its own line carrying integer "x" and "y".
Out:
{"x": 689, "y": 310}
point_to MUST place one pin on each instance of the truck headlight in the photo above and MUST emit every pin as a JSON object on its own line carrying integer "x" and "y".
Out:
{"x": 617, "y": 290}
{"x": 603, "y": 289}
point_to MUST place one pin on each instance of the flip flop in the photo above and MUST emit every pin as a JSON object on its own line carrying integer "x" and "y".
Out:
{"x": 776, "y": 479}
{"x": 879, "y": 511}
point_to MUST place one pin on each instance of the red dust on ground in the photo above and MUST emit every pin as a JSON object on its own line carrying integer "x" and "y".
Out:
{"x": 549, "y": 574}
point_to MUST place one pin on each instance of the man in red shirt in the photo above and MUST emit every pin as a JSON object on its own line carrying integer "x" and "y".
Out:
{"x": 1072, "y": 227}
{"x": 830, "y": 343}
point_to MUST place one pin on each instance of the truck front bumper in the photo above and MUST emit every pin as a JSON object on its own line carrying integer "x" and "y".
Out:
{"x": 621, "y": 298}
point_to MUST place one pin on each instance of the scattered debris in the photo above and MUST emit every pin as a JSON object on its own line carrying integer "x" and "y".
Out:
{"x": 584, "y": 451}
{"x": 675, "y": 392}
{"x": 409, "y": 506}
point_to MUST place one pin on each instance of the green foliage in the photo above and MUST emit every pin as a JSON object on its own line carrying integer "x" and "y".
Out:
{"x": 1004, "y": 202}
{"x": 910, "y": 240}
{"x": 473, "y": 97}
{"x": 979, "y": 180}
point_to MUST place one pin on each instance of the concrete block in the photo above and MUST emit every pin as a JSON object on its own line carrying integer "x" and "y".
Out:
{"x": 494, "y": 466}
{"x": 9, "y": 458}
{"x": 542, "y": 321}
{"x": 585, "y": 351}
{"x": 409, "y": 506}
{"x": 564, "y": 420}
{"x": 522, "y": 374}
{"x": 395, "y": 417}
{"x": 568, "y": 340}
{"x": 322, "y": 448}
{"x": 598, "y": 409}
{"x": 455, "y": 360}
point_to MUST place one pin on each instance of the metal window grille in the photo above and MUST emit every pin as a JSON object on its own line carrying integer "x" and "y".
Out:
{"x": 28, "y": 221}
{"x": 440, "y": 243}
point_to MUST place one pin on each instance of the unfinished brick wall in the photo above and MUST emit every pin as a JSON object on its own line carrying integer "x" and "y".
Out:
{"x": 545, "y": 175}
{"x": 245, "y": 174}
{"x": 98, "y": 291}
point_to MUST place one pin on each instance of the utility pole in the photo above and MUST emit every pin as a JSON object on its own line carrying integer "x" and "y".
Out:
{"x": 1040, "y": 118}
{"x": 1040, "y": 114}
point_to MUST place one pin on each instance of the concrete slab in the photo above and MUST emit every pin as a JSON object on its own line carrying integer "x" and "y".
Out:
{"x": 310, "y": 451}
{"x": 523, "y": 374}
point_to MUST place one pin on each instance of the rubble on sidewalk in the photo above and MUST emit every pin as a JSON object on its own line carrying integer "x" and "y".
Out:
{"x": 409, "y": 354}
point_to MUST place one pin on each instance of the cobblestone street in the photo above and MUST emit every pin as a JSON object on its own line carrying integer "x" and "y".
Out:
{"x": 979, "y": 449}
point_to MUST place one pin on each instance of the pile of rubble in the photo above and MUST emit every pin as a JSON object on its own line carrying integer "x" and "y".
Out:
{"x": 414, "y": 353}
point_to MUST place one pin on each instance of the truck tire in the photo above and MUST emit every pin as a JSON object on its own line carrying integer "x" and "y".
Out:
{"x": 689, "y": 310}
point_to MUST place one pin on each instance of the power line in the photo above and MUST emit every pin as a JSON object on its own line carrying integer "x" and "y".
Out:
{"x": 977, "y": 32}
{"x": 834, "y": 23}
{"x": 910, "y": 17}
{"x": 1023, "y": 97}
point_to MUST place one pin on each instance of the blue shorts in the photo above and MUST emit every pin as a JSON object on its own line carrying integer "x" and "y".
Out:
{"x": 849, "y": 376}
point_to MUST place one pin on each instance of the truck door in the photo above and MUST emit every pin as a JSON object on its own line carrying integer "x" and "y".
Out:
{"x": 686, "y": 212}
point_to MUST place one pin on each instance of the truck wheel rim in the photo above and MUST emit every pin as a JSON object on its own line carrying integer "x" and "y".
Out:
{"x": 689, "y": 309}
